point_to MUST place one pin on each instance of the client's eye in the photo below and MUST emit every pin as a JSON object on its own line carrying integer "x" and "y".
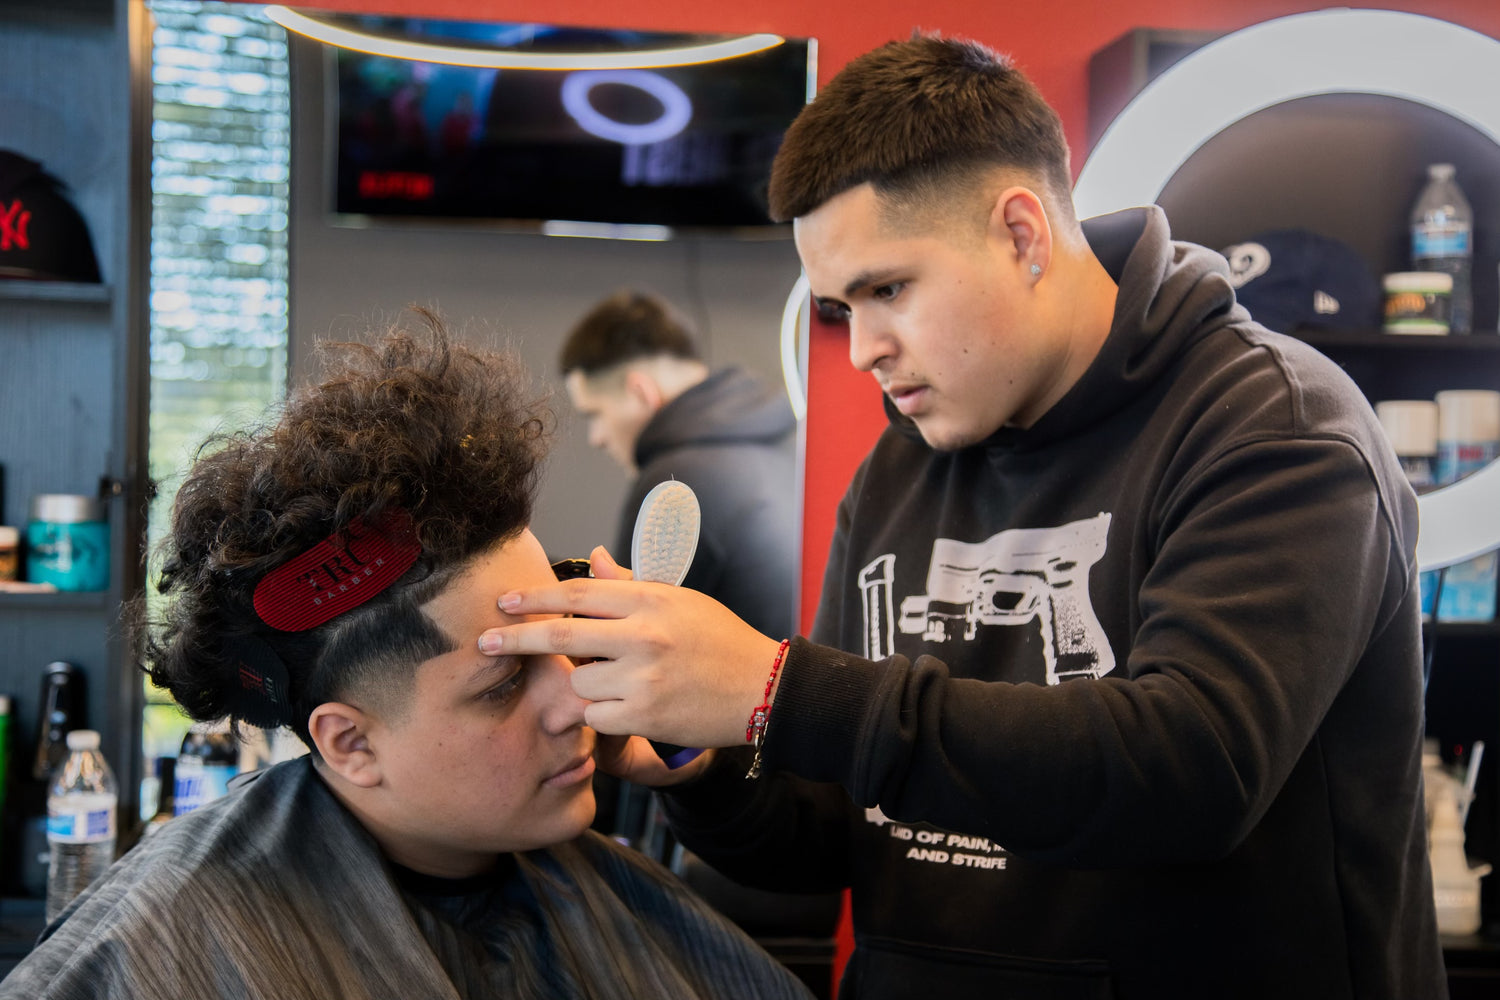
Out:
{"x": 507, "y": 689}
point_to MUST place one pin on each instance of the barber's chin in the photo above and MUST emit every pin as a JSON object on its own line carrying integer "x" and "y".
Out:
{"x": 941, "y": 436}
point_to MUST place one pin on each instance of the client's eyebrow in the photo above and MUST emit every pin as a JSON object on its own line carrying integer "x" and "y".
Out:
{"x": 505, "y": 664}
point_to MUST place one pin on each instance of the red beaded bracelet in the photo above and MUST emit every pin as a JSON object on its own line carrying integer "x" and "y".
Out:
{"x": 755, "y": 732}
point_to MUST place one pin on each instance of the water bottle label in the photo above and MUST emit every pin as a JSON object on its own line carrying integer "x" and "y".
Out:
{"x": 189, "y": 793}
{"x": 200, "y": 786}
{"x": 1457, "y": 459}
{"x": 92, "y": 826}
{"x": 1440, "y": 241}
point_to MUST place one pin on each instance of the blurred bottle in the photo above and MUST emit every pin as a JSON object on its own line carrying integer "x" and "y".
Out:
{"x": 1455, "y": 885}
{"x": 166, "y": 795}
{"x": 208, "y": 759}
{"x": 1442, "y": 239}
{"x": 61, "y": 710}
{"x": 1412, "y": 426}
{"x": 81, "y": 821}
{"x": 1468, "y": 440}
{"x": 6, "y": 836}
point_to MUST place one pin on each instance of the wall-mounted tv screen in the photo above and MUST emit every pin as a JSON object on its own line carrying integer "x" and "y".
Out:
{"x": 684, "y": 146}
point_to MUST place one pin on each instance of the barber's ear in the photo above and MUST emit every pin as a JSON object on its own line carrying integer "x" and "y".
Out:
{"x": 342, "y": 735}
{"x": 1019, "y": 217}
{"x": 644, "y": 389}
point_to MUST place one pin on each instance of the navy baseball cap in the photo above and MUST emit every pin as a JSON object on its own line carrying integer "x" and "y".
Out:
{"x": 42, "y": 236}
{"x": 1291, "y": 278}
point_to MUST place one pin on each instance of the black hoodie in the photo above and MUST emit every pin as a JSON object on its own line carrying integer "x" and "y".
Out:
{"x": 731, "y": 438}
{"x": 1137, "y": 705}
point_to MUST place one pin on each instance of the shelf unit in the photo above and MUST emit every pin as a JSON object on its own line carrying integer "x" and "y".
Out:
{"x": 55, "y": 291}
{"x": 73, "y": 373}
{"x": 53, "y": 602}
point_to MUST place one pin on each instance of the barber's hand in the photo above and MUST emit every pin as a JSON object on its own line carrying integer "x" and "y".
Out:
{"x": 633, "y": 758}
{"x": 671, "y": 664}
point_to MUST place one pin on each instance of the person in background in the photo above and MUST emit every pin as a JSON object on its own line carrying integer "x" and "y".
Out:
{"x": 331, "y": 572}
{"x": 1115, "y": 685}
{"x": 632, "y": 369}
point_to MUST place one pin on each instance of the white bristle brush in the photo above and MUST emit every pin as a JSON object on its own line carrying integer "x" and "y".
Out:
{"x": 666, "y": 533}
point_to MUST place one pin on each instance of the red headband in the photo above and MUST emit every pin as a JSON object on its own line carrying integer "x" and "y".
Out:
{"x": 339, "y": 573}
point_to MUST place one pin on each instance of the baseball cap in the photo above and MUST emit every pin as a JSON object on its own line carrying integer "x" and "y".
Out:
{"x": 1290, "y": 278}
{"x": 42, "y": 236}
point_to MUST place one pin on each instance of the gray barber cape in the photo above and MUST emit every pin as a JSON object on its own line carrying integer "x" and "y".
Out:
{"x": 276, "y": 891}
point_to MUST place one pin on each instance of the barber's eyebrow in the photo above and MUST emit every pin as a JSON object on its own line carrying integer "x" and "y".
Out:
{"x": 866, "y": 279}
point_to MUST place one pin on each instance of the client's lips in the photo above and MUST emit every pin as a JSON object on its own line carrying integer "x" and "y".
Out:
{"x": 577, "y": 770}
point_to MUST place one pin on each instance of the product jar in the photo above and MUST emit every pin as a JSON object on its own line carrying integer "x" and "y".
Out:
{"x": 10, "y": 553}
{"x": 67, "y": 542}
{"x": 1418, "y": 301}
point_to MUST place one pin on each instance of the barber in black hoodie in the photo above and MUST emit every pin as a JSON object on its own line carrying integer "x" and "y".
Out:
{"x": 1114, "y": 688}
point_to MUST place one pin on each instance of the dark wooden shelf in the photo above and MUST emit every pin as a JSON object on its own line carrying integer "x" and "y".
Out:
{"x": 62, "y": 601}
{"x": 1469, "y": 629}
{"x": 1482, "y": 341}
{"x": 56, "y": 291}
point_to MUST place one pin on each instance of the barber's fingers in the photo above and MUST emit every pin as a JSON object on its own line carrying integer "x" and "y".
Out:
{"x": 583, "y": 638}
{"x": 603, "y": 680}
{"x": 586, "y": 598}
{"x": 633, "y": 759}
{"x": 604, "y": 567}
{"x": 643, "y": 718}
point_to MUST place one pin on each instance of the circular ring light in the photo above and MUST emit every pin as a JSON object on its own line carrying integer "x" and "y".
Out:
{"x": 1324, "y": 52}
{"x": 677, "y": 107}
{"x": 794, "y": 333}
{"x": 462, "y": 55}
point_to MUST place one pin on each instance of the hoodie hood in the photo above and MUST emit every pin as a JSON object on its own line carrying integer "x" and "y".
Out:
{"x": 1170, "y": 294}
{"x": 728, "y": 407}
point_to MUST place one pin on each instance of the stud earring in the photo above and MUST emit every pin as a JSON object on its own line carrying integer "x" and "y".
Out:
{"x": 1036, "y": 269}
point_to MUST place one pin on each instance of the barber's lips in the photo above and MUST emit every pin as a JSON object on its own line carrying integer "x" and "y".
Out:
{"x": 579, "y": 770}
{"x": 908, "y": 398}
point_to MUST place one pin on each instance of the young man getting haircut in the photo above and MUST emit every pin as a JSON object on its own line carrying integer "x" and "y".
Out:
{"x": 332, "y": 572}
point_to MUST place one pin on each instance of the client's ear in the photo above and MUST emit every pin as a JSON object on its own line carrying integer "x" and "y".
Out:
{"x": 341, "y": 733}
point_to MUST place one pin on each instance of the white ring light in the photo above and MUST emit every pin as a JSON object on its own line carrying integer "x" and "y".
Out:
{"x": 677, "y": 107}
{"x": 463, "y": 55}
{"x": 1324, "y": 52}
{"x": 793, "y": 333}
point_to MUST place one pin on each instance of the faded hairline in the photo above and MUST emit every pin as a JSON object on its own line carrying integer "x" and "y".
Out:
{"x": 386, "y": 679}
{"x": 959, "y": 199}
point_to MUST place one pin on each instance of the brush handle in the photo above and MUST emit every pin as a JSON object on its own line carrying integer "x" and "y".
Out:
{"x": 661, "y": 551}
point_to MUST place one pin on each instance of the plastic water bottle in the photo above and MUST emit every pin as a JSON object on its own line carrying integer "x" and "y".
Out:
{"x": 81, "y": 821}
{"x": 1442, "y": 239}
{"x": 209, "y": 757}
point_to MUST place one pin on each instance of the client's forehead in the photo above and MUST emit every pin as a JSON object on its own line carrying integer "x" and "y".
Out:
{"x": 470, "y": 602}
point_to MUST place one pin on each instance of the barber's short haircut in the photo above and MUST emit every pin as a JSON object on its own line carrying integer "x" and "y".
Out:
{"x": 628, "y": 326}
{"x": 451, "y": 436}
{"x": 917, "y": 119}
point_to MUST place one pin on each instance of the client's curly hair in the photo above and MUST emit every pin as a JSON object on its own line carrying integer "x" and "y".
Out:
{"x": 447, "y": 434}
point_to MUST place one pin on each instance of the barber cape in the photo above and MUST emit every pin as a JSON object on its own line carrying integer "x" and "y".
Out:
{"x": 276, "y": 891}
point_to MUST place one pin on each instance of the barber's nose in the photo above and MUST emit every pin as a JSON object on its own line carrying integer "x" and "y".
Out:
{"x": 869, "y": 343}
{"x": 561, "y": 709}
